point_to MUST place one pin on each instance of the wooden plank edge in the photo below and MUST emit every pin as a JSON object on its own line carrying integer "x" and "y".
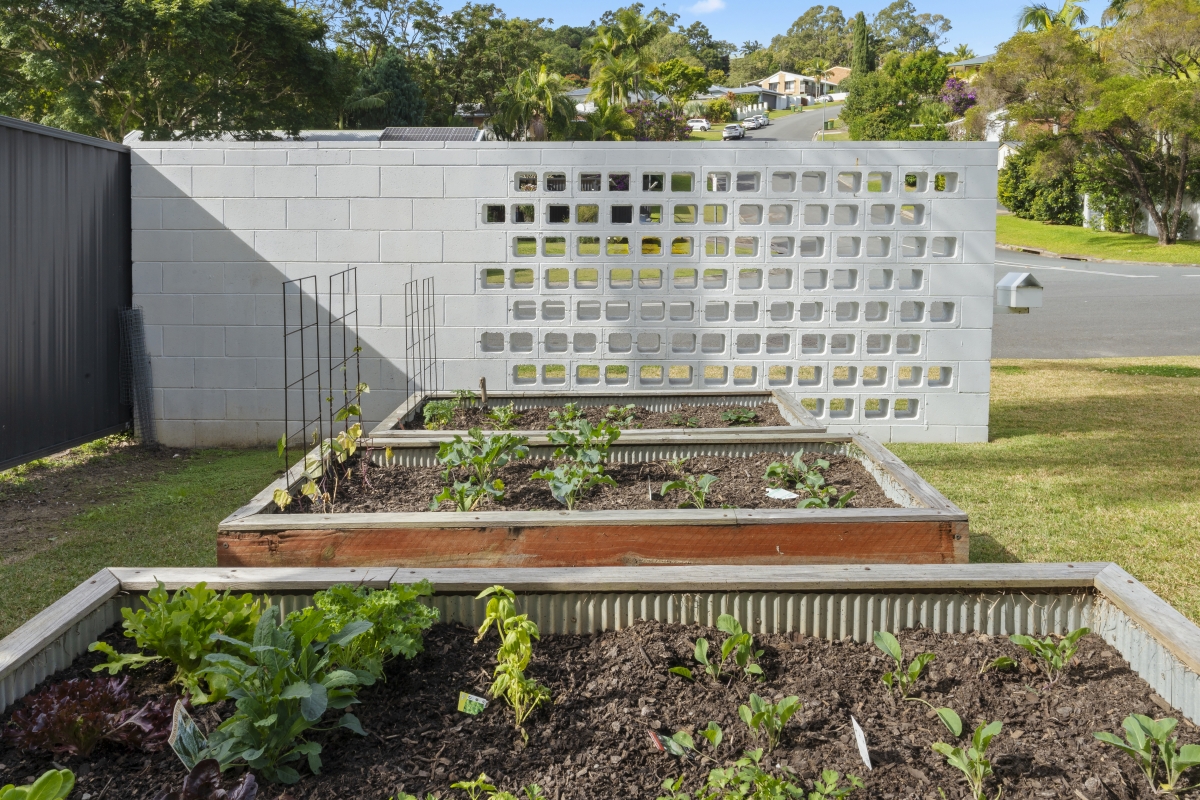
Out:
{"x": 1158, "y": 617}
{"x": 27, "y": 641}
{"x": 905, "y": 475}
{"x": 398, "y": 414}
{"x": 806, "y": 420}
{"x": 250, "y": 579}
{"x": 415, "y": 440}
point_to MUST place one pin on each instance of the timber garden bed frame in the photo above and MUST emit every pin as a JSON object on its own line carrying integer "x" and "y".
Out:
{"x": 832, "y": 602}
{"x": 926, "y": 529}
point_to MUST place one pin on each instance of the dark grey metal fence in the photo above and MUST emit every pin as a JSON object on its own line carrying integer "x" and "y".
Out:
{"x": 65, "y": 270}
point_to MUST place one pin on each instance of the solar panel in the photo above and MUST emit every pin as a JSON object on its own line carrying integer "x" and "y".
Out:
{"x": 462, "y": 134}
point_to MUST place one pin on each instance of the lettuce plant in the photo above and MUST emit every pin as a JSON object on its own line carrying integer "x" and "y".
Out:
{"x": 55, "y": 784}
{"x": 74, "y": 716}
{"x": 1054, "y": 657}
{"x": 180, "y": 628}
{"x": 517, "y": 633}
{"x": 972, "y": 760}
{"x": 1150, "y": 744}
{"x": 204, "y": 783}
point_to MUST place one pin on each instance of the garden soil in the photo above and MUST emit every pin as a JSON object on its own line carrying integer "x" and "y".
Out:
{"x": 611, "y": 690}
{"x": 682, "y": 417}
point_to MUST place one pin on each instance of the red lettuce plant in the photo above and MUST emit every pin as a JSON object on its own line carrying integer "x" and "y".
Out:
{"x": 76, "y": 715}
{"x": 204, "y": 783}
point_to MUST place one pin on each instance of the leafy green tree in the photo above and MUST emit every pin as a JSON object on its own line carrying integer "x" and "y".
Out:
{"x": 173, "y": 68}
{"x": 820, "y": 33}
{"x": 532, "y": 105}
{"x": 608, "y": 123}
{"x": 862, "y": 58}
{"x": 679, "y": 81}
{"x": 1041, "y": 17}
{"x": 713, "y": 54}
{"x": 888, "y": 103}
{"x": 755, "y": 66}
{"x": 398, "y": 95}
{"x": 899, "y": 27}
{"x": 615, "y": 77}
{"x": 1050, "y": 198}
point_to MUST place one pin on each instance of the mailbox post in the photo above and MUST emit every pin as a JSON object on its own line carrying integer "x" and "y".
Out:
{"x": 1017, "y": 292}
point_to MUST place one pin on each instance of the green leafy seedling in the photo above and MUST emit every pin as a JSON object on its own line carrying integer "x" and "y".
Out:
{"x": 479, "y": 457}
{"x": 517, "y": 633}
{"x": 829, "y": 785}
{"x": 809, "y": 480}
{"x": 682, "y": 745}
{"x": 695, "y": 488}
{"x": 504, "y": 418}
{"x": 999, "y": 664}
{"x": 768, "y": 719}
{"x": 464, "y": 398}
{"x": 52, "y": 785}
{"x": 623, "y": 417}
{"x": 680, "y": 421}
{"x": 738, "y": 645}
{"x": 972, "y": 761}
{"x": 566, "y": 418}
{"x": 1150, "y": 744}
{"x": 1054, "y": 657}
{"x": 438, "y": 414}
{"x": 740, "y": 416}
{"x": 571, "y": 480}
{"x": 903, "y": 679}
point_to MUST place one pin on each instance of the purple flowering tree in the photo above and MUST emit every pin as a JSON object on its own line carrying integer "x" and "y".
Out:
{"x": 958, "y": 95}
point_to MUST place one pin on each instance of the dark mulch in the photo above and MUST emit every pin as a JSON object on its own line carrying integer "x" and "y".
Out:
{"x": 681, "y": 417}
{"x": 739, "y": 484}
{"x": 610, "y": 690}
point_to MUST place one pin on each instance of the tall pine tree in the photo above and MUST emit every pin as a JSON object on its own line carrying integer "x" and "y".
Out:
{"x": 862, "y": 59}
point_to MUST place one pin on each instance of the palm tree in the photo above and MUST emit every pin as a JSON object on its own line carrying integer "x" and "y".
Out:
{"x": 1041, "y": 17}
{"x": 963, "y": 53}
{"x": 617, "y": 78}
{"x": 529, "y": 102}
{"x": 609, "y": 123}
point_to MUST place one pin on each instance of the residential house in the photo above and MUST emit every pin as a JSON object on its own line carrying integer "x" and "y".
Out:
{"x": 968, "y": 69}
{"x": 792, "y": 85}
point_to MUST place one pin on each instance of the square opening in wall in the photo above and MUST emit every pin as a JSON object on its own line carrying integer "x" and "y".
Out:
{"x": 912, "y": 247}
{"x": 683, "y": 343}
{"x": 912, "y": 214}
{"x": 620, "y": 342}
{"x": 616, "y": 310}
{"x": 849, "y": 182}
{"x": 782, "y": 310}
{"x": 617, "y": 246}
{"x": 684, "y": 214}
{"x": 905, "y": 408}
{"x": 841, "y": 344}
{"x": 554, "y": 246}
{"x": 584, "y": 342}
{"x": 812, "y": 343}
{"x": 620, "y": 278}
{"x": 652, "y": 311}
{"x": 587, "y": 278}
{"x": 808, "y": 375}
{"x": 682, "y": 181}
{"x": 878, "y": 246}
{"x": 621, "y": 215}
{"x": 588, "y": 374}
{"x": 650, "y": 215}
{"x": 945, "y": 181}
{"x": 912, "y": 311}
{"x": 684, "y": 277}
{"x": 937, "y": 376}
{"x": 587, "y": 310}
{"x": 915, "y": 181}
{"x": 649, "y": 342}
{"x": 944, "y": 247}
{"x": 815, "y": 279}
{"x": 650, "y": 374}
{"x": 783, "y": 181}
{"x": 522, "y": 278}
{"x": 615, "y": 374}
{"x": 778, "y": 343}
{"x": 526, "y": 181}
{"x": 941, "y": 311}
{"x": 745, "y": 311}
{"x": 779, "y": 278}
{"x": 558, "y": 214}
{"x": 679, "y": 375}
{"x": 883, "y": 214}
{"x": 749, "y": 278}
{"x": 876, "y": 311}
{"x": 846, "y": 311}
{"x": 524, "y": 374}
{"x": 845, "y": 279}
{"x": 716, "y": 311}
{"x": 908, "y": 344}
{"x": 816, "y": 214}
{"x": 745, "y": 246}
{"x": 715, "y": 376}
{"x": 492, "y": 278}
{"x": 681, "y": 246}
{"x": 716, "y": 246}
{"x": 587, "y": 213}
{"x": 493, "y": 213}
{"x": 618, "y": 181}
{"x": 590, "y": 182}
{"x": 587, "y": 245}
{"x": 878, "y": 343}
{"x": 653, "y": 181}
{"x": 782, "y": 246}
{"x": 555, "y": 342}
{"x": 558, "y": 278}
{"x": 908, "y": 376}
{"x": 749, "y": 214}
{"x": 520, "y": 342}
{"x": 779, "y": 214}
{"x": 875, "y": 408}
{"x": 879, "y": 279}
{"x": 811, "y": 312}
{"x": 845, "y": 376}
{"x": 716, "y": 214}
{"x": 848, "y": 246}
{"x": 556, "y": 182}
{"x": 744, "y": 375}
{"x": 491, "y": 342}
{"x": 814, "y": 406}
{"x": 650, "y": 278}
{"x": 845, "y": 215}
{"x": 747, "y": 181}
{"x": 779, "y": 375}
{"x": 524, "y": 246}
{"x": 715, "y": 278}
{"x": 712, "y": 343}
{"x": 651, "y": 246}
{"x": 554, "y": 309}
{"x": 874, "y": 375}
{"x": 841, "y": 407}
{"x": 746, "y": 343}
{"x": 911, "y": 279}
{"x": 718, "y": 181}
{"x": 524, "y": 213}
{"x": 682, "y": 311}
{"x": 812, "y": 246}
{"x": 812, "y": 182}
{"x": 879, "y": 181}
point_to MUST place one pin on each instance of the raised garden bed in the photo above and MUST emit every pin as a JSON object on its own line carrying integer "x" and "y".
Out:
{"x": 609, "y": 639}
{"x": 705, "y": 413}
{"x": 909, "y": 522}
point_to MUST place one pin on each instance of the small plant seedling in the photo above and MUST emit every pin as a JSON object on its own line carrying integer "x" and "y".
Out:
{"x": 504, "y": 418}
{"x": 972, "y": 760}
{"x": 682, "y": 744}
{"x": 572, "y": 480}
{"x": 829, "y": 785}
{"x": 54, "y": 784}
{"x": 480, "y": 457}
{"x": 695, "y": 488}
{"x": 768, "y": 719}
{"x": 740, "y": 416}
{"x": 517, "y": 633}
{"x": 565, "y": 418}
{"x": 464, "y": 398}
{"x": 999, "y": 664}
{"x": 1150, "y": 744}
{"x": 680, "y": 421}
{"x": 902, "y": 679}
{"x": 438, "y": 414}
{"x": 809, "y": 480}
{"x": 739, "y": 645}
{"x": 1053, "y": 657}
{"x": 623, "y": 417}
{"x": 584, "y": 442}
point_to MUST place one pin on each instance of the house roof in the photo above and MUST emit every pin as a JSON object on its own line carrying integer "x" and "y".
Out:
{"x": 835, "y": 75}
{"x": 973, "y": 62}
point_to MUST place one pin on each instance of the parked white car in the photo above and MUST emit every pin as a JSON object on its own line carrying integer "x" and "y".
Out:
{"x": 733, "y": 132}
{"x": 825, "y": 99}
{"x": 751, "y": 124}
{"x": 763, "y": 120}
{"x": 699, "y": 125}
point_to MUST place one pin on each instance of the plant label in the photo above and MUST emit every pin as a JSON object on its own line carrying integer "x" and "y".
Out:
{"x": 781, "y": 494}
{"x": 471, "y": 704}
{"x": 861, "y": 738}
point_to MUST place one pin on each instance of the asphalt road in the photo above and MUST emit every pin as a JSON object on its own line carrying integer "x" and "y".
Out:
{"x": 1098, "y": 309}
{"x": 798, "y": 127}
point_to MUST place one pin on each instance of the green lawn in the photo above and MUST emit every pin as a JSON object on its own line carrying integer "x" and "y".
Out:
{"x": 1069, "y": 240}
{"x": 1089, "y": 461}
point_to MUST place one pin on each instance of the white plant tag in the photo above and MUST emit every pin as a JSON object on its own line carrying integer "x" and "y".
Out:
{"x": 861, "y": 738}
{"x": 781, "y": 494}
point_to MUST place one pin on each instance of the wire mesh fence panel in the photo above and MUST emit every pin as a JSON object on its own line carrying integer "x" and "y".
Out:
{"x": 343, "y": 349}
{"x": 137, "y": 385}
{"x": 420, "y": 323}
{"x": 303, "y": 419}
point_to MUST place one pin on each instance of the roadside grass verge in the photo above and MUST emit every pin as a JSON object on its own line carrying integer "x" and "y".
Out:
{"x": 1068, "y": 239}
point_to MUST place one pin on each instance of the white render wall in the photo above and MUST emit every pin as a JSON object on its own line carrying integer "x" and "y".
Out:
{"x": 218, "y": 226}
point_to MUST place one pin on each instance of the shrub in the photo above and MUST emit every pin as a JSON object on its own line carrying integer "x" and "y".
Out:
{"x": 1029, "y": 195}
{"x": 654, "y": 123}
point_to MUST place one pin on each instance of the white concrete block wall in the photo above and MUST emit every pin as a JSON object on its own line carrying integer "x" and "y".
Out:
{"x": 816, "y": 267}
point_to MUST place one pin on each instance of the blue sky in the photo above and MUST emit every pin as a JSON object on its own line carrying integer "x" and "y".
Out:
{"x": 981, "y": 24}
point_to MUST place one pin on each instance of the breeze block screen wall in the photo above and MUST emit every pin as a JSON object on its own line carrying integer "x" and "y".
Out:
{"x": 856, "y": 275}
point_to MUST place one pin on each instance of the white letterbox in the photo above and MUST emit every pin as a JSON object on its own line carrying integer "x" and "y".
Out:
{"x": 1017, "y": 292}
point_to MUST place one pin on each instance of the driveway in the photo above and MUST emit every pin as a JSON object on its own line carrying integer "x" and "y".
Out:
{"x": 1092, "y": 310}
{"x": 798, "y": 127}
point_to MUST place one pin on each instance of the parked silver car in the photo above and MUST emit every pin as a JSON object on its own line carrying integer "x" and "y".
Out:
{"x": 751, "y": 124}
{"x": 733, "y": 132}
{"x": 763, "y": 120}
{"x": 699, "y": 124}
